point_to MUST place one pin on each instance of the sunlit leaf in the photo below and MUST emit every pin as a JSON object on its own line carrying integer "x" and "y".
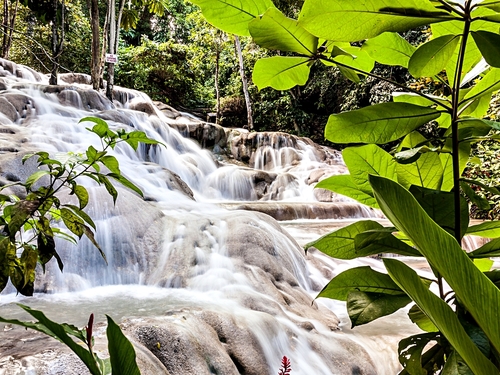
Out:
{"x": 431, "y": 57}
{"x": 280, "y": 72}
{"x": 275, "y": 31}
{"x": 351, "y": 21}
{"x": 389, "y": 49}
{"x": 379, "y": 123}
{"x": 344, "y": 185}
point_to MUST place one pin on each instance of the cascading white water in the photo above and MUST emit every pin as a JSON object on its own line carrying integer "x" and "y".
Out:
{"x": 183, "y": 264}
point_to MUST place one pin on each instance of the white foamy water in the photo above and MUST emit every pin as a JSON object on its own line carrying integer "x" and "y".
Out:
{"x": 174, "y": 255}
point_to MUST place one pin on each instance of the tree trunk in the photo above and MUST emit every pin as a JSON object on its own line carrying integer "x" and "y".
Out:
{"x": 237, "y": 46}
{"x": 6, "y": 46}
{"x": 217, "y": 93}
{"x": 57, "y": 41}
{"x": 112, "y": 41}
{"x": 95, "y": 63}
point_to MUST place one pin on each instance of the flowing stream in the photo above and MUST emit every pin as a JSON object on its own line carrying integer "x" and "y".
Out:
{"x": 201, "y": 278}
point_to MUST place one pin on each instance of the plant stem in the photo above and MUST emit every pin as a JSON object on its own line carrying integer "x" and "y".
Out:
{"x": 455, "y": 102}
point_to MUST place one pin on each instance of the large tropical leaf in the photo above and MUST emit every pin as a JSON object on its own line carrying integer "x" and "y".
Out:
{"x": 280, "y": 72}
{"x": 344, "y": 185}
{"x": 275, "y": 31}
{"x": 489, "y": 45}
{"x": 431, "y": 57}
{"x": 233, "y": 16}
{"x": 427, "y": 172}
{"x": 389, "y": 49}
{"x": 121, "y": 351}
{"x": 379, "y": 123}
{"x": 354, "y": 20}
{"x": 365, "y": 307}
{"x": 473, "y": 289}
{"x": 368, "y": 159}
{"x": 362, "y": 279}
{"x": 488, "y": 84}
{"x": 487, "y": 229}
{"x": 441, "y": 315}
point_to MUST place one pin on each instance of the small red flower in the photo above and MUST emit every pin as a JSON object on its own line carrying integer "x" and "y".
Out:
{"x": 285, "y": 366}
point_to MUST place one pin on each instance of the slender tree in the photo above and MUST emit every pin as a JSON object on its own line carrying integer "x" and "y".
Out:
{"x": 244, "y": 82}
{"x": 9, "y": 21}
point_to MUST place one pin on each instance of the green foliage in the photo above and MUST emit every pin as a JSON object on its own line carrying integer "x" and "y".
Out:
{"x": 122, "y": 354}
{"x": 419, "y": 184}
{"x": 27, "y": 223}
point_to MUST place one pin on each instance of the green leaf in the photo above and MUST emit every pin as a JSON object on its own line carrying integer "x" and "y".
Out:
{"x": 431, "y": 58}
{"x": 427, "y": 172}
{"x": 355, "y": 57}
{"x": 488, "y": 84}
{"x": 366, "y": 307}
{"x": 474, "y": 290}
{"x": 111, "y": 163}
{"x": 343, "y": 184}
{"x": 439, "y": 205}
{"x": 82, "y": 195}
{"x": 275, "y": 31}
{"x": 488, "y": 229}
{"x": 59, "y": 332}
{"x": 473, "y": 55}
{"x": 374, "y": 242}
{"x": 489, "y": 45}
{"x": 365, "y": 160}
{"x": 109, "y": 187}
{"x": 362, "y": 279}
{"x": 90, "y": 235}
{"x": 82, "y": 214}
{"x": 125, "y": 182}
{"x": 379, "y": 123}
{"x": 440, "y": 314}
{"x": 100, "y": 128}
{"x": 489, "y": 249}
{"x": 352, "y": 21}
{"x": 280, "y": 72}
{"x": 412, "y": 98}
{"x": 35, "y": 177}
{"x": 340, "y": 244}
{"x": 480, "y": 202}
{"x": 233, "y": 16}
{"x": 121, "y": 351}
{"x": 21, "y": 211}
{"x": 455, "y": 365}
{"x": 421, "y": 320}
{"x": 73, "y": 222}
{"x": 410, "y": 352}
{"x": 134, "y": 138}
{"x": 389, "y": 49}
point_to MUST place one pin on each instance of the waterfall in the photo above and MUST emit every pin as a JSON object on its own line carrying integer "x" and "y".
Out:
{"x": 204, "y": 280}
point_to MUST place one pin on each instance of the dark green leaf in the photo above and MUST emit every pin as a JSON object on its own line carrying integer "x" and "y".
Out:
{"x": 489, "y": 249}
{"x": 380, "y": 242}
{"x": 361, "y": 279}
{"x": 109, "y": 187}
{"x": 125, "y": 182}
{"x": 480, "y": 202}
{"x": 134, "y": 138}
{"x": 73, "y": 222}
{"x": 90, "y": 235}
{"x": 21, "y": 211}
{"x": 439, "y": 205}
{"x": 455, "y": 365}
{"x": 366, "y": 307}
{"x": 82, "y": 195}
{"x": 379, "y": 123}
{"x": 121, "y": 351}
{"x": 100, "y": 128}
{"x": 489, "y": 45}
{"x": 82, "y": 214}
{"x": 410, "y": 352}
